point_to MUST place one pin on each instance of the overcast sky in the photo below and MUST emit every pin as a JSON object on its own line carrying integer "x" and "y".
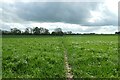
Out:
{"x": 77, "y": 16}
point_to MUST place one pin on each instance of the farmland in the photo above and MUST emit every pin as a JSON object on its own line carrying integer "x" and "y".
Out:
{"x": 32, "y": 57}
{"x": 93, "y": 56}
{"x": 90, "y": 56}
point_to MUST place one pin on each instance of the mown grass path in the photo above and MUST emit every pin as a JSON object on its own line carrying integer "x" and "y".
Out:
{"x": 69, "y": 74}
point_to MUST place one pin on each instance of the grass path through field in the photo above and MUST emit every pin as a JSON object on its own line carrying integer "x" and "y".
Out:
{"x": 69, "y": 75}
{"x": 68, "y": 68}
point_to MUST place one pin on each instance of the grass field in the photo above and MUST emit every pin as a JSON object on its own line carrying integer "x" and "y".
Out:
{"x": 93, "y": 56}
{"x": 90, "y": 56}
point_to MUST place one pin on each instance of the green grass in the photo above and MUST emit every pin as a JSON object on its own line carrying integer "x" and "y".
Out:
{"x": 43, "y": 56}
{"x": 36, "y": 57}
{"x": 93, "y": 56}
{"x": 0, "y": 56}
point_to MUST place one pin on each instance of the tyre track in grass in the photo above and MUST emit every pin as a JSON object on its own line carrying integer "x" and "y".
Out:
{"x": 68, "y": 68}
{"x": 68, "y": 72}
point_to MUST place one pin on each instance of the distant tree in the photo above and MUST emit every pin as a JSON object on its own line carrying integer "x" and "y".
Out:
{"x": 40, "y": 30}
{"x": 36, "y": 31}
{"x": 92, "y": 33}
{"x": 53, "y": 33}
{"x": 117, "y": 32}
{"x": 58, "y": 31}
{"x": 46, "y": 31}
{"x": 69, "y": 32}
{"x": 28, "y": 30}
{"x": 15, "y": 31}
{"x": 4, "y": 32}
{"x": 89, "y": 33}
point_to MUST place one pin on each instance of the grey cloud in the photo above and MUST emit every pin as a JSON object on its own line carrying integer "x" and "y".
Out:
{"x": 5, "y": 27}
{"x": 56, "y": 12}
{"x": 67, "y": 12}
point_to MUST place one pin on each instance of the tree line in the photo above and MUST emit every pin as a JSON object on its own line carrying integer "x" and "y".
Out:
{"x": 117, "y": 32}
{"x": 34, "y": 31}
{"x": 40, "y": 31}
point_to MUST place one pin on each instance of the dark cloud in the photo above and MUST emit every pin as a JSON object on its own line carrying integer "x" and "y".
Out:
{"x": 67, "y": 12}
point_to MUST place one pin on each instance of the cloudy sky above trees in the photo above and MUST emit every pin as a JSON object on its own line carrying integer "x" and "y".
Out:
{"x": 77, "y": 16}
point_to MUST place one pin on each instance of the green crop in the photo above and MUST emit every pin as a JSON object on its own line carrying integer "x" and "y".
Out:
{"x": 37, "y": 57}
{"x": 93, "y": 56}
{"x": 90, "y": 56}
